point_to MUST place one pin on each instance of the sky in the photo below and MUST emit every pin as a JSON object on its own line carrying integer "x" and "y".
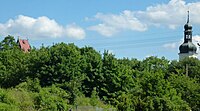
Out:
{"x": 126, "y": 28}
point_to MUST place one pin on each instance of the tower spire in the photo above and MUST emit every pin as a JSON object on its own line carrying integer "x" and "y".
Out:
{"x": 187, "y": 49}
{"x": 188, "y": 19}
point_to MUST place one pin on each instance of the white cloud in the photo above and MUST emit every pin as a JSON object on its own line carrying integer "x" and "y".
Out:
{"x": 75, "y": 31}
{"x": 175, "y": 45}
{"x": 111, "y": 23}
{"x": 149, "y": 55}
{"x": 196, "y": 40}
{"x": 39, "y": 28}
{"x": 171, "y": 45}
{"x": 111, "y": 52}
{"x": 171, "y": 15}
{"x": 104, "y": 29}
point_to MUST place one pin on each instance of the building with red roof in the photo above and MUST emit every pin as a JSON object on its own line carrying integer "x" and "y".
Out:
{"x": 24, "y": 45}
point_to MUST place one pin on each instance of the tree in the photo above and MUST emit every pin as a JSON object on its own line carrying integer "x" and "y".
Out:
{"x": 154, "y": 64}
{"x": 8, "y": 43}
{"x": 94, "y": 98}
{"x": 65, "y": 68}
{"x": 110, "y": 81}
{"x": 92, "y": 68}
{"x": 188, "y": 88}
{"x": 13, "y": 67}
{"x": 51, "y": 98}
{"x": 153, "y": 92}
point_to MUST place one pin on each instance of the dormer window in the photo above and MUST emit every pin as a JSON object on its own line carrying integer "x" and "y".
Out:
{"x": 23, "y": 42}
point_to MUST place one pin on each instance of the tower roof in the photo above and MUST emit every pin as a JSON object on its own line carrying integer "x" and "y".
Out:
{"x": 188, "y": 46}
{"x": 188, "y": 26}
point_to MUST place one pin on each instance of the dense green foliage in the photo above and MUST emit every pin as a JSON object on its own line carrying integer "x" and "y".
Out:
{"x": 63, "y": 75}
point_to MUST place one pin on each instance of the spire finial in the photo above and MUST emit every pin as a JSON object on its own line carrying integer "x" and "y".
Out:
{"x": 188, "y": 19}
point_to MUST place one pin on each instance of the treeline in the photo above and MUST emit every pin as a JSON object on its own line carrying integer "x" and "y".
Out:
{"x": 61, "y": 76}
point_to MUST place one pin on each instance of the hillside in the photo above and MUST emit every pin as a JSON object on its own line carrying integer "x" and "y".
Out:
{"x": 64, "y": 76}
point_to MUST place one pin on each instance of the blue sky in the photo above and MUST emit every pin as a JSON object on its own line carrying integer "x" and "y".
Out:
{"x": 127, "y": 28}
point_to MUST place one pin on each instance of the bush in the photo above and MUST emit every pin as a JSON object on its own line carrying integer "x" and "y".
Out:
{"x": 6, "y": 101}
{"x": 51, "y": 98}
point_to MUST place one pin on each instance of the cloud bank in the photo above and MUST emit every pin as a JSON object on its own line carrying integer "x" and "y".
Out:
{"x": 171, "y": 15}
{"x": 40, "y": 28}
{"x": 111, "y": 24}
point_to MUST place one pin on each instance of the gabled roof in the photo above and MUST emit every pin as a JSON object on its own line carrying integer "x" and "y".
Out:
{"x": 24, "y": 45}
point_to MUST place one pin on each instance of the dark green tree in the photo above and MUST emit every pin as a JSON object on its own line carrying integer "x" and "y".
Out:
{"x": 8, "y": 43}
{"x": 13, "y": 67}
{"x": 110, "y": 81}
{"x": 153, "y": 92}
{"x": 189, "y": 89}
{"x": 92, "y": 68}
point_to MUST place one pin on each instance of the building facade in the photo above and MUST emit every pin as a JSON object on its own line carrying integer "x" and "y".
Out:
{"x": 24, "y": 45}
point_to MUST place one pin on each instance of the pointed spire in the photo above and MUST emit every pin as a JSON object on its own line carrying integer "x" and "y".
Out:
{"x": 188, "y": 19}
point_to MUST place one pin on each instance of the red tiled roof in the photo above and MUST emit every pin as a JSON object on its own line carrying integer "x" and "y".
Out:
{"x": 24, "y": 45}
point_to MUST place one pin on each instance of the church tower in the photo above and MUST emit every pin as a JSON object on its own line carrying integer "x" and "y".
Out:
{"x": 187, "y": 49}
